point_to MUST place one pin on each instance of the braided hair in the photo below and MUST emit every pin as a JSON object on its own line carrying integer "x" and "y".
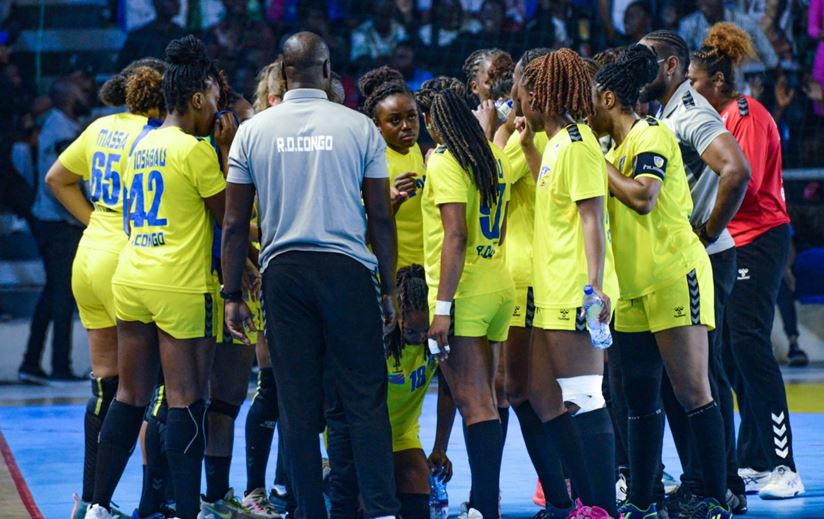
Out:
{"x": 462, "y": 135}
{"x": 378, "y": 84}
{"x": 724, "y": 48}
{"x": 674, "y": 43}
{"x": 637, "y": 66}
{"x": 113, "y": 91}
{"x": 412, "y": 297}
{"x": 431, "y": 87}
{"x": 560, "y": 83}
{"x": 190, "y": 71}
{"x": 144, "y": 92}
{"x": 532, "y": 54}
{"x": 472, "y": 64}
{"x": 611, "y": 55}
{"x": 500, "y": 76}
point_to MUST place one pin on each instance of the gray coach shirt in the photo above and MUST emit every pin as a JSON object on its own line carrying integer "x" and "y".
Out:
{"x": 308, "y": 158}
{"x": 696, "y": 124}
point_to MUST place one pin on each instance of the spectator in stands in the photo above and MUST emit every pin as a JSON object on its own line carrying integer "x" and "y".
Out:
{"x": 693, "y": 28}
{"x": 409, "y": 14}
{"x": 445, "y": 25}
{"x": 815, "y": 29}
{"x": 377, "y": 37}
{"x": 546, "y": 27}
{"x": 637, "y": 21}
{"x": 240, "y": 45}
{"x": 314, "y": 17}
{"x": 405, "y": 61}
{"x": 57, "y": 234}
{"x": 611, "y": 14}
{"x": 150, "y": 40}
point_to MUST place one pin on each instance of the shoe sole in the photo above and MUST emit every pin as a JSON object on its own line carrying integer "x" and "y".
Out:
{"x": 773, "y": 497}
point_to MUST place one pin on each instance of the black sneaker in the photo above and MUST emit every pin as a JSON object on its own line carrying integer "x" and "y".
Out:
{"x": 797, "y": 358}
{"x": 737, "y": 503}
{"x": 683, "y": 503}
{"x": 34, "y": 376}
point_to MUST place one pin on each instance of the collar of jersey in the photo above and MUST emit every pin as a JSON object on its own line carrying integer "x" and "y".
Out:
{"x": 304, "y": 93}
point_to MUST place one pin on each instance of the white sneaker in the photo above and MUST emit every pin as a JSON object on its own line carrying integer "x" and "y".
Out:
{"x": 469, "y": 513}
{"x": 621, "y": 489}
{"x": 783, "y": 484}
{"x": 753, "y": 479}
{"x": 98, "y": 512}
{"x": 258, "y": 503}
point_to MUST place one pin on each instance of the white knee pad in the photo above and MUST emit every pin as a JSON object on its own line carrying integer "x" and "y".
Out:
{"x": 584, "y": 392}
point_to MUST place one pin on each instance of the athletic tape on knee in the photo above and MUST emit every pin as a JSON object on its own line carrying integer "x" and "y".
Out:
{"x": 584, "y": 392}
{"x": 224, "y": 408}
{"x": 103, "y": 392}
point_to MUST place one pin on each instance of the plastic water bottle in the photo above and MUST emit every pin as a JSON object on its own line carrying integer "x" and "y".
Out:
{"x": 438, "y": 498}
{"x": 504, "y": 106}
{"x": 598, "y": 331}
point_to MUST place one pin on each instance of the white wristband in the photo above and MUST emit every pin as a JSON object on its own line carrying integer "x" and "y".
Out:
{"x": 443, "y": 308}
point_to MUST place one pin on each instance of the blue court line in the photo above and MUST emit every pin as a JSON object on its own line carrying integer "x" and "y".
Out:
{"x": 47, "y": 443}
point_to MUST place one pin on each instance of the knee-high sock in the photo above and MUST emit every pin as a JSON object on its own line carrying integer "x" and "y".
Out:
{"x": 544, "y": 459}
{"x": 646, "y": 436}
{"x": 185, "y": 444}
{"x": 118, "y": 437}
{"x": 483, "y": 446}
{"x": 260, "y": 428}
{"x": 565, "y": 439}
{"x": 595, "y": 430}
{"x": 103, "y": 392}
{"x": 414, "y": 506}
{"x": 155, "y": 472}
{"x": 707, "y": 428}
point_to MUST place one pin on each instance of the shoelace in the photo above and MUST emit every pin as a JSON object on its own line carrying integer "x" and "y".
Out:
{"x": 262, "y": 505}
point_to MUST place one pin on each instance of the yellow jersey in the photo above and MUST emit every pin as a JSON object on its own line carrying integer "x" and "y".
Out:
{"x": 170, "y": 243}
{"x": 572, "y": 170}
{"x": 654, "y": 249}
{"x": 447, "y": 182}
{"x": 520, "y": 220}
{"x": 99, "y": 155}
{"x": 408, "y": 381}
{"x": 408, "y": 219}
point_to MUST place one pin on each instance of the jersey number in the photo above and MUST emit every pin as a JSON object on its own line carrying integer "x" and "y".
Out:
{"x": 105, "y": 180}
{"x": 492, "y": 229}
{"x": 137, "y": 207}
{"x": 418, "y": 378}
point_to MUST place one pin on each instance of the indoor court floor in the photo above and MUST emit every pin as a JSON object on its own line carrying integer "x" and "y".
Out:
{"x": 42, "y": 447}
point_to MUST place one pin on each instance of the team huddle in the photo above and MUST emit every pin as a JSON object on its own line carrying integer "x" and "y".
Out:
{"x": 549, "y": 174}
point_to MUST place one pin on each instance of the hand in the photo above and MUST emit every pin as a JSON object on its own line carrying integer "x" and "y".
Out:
{"x": 225, "y": 130}
{"x": 388, "y": 310}
{"x": 440, "y": 466}
{"x": 783, "y": 94}
{"x": 439, "y": 331}
{"x": 250, "y": 281}
{"x": 405, "y": 186}
{"x": 487, "y": 115}
{"x": 239, "y": 320}
{"x": 605, "y": 315}
{"x": 813, "y": 90}
{"x": 525, "y": 131}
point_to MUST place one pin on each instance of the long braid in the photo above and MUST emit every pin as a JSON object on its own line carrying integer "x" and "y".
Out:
{"x": 412, "y": 297}
{"x": 636, "y": 67}
{"x": 462, "y": 134}
{"x": 675, "y": 45}
{"x": 560, "y": 84}
{"x": 431, "y": 87}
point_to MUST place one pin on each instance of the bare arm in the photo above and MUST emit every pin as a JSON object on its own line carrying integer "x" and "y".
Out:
{"x": 381, "y": 230}
{"x": 725, "y": 157}
{"x": 438, "y": 461}
{"x": 453, "y": 255}
{"x": 65, "y": 186}
{"x": 639, "y": 194}
{"x": 531, "y": 153}
{"x": 217, "y": 207}
{"x": 592, "y": 221}
{"x": 239, "y": 199}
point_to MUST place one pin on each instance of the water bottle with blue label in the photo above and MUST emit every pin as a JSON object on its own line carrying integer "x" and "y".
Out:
{"x": 598, "y": 331}
{"x": 438, "y": 498}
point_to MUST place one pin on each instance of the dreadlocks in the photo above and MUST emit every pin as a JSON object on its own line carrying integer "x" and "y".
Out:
{"x": 189, "y": 71}
{"x": 532, "y": 54}
{"x": 500, "y": 76}
{"x": 674, "y": 45}
{"x": 412, "y": 297}
{"x": 637, "y": 66}
{"x": 560, "y": 84}
{"x": 462, "y": 135}
{"x": 432, "y": 87}
{"x": 724, "y": 48}
{"x": 473, "y": 63}
{"x": 378, "y": 84}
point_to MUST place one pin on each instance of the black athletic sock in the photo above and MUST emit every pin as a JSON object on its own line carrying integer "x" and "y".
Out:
{"x": 260, "y": 428}
{"x": 595, "y": 431}
{"x": 646, "y": 436}
{"x": 217, "y": 476}
{"x": 707, "y": 428}
{"x": 155, "y": 472}
{"x": 414, "y": 506}
{"x": 563, "y": 436}
{"x": 483, "y": 442}
{"x": 118, "y": 437}
{"x": 503, "y": 413}
{"x": 185, "y": 443}
{"x": 545, "y": 461}
{"x": 103, "y": 392}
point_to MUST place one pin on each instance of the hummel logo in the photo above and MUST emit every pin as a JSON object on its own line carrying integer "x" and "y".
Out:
{"x": 743, "y": 274}
{"x": 679, "y": 312}
{"x": 564, "y": 314}
{"x": 517, "y": 311}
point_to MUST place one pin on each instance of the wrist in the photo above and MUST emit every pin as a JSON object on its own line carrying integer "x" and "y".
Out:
{"x": 706, "y": 236}
{"x": 443, "y": 308}
{"x": 231, "y": 296}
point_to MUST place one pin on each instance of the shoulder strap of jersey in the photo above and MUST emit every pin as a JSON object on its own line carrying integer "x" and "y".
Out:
{"x": 652, "y": 121}
{"x": 688, "y": 100}
{"x": 743, "y": 106}
{"x": 574, "y": 133}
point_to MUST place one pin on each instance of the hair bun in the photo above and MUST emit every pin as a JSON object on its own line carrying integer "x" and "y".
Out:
{"x": 377, "y": 77}
{"x": 186, "y": 51}
{"x": 731, "y": 41}
{"x": 640, "y": 63}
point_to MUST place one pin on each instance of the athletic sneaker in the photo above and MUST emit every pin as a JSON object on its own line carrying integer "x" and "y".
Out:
{"x": 737, "y": 503}
{"x": 80, "y": 507}
{"x": 796, "y": 357}
{"x": 682, "y": 503}
{"x": 279, "y": 498}
{"x": 227, "y": 508}
{"x": 671, "y": 485}
{"x": 630, "y": 511}
{"x": 33, "y": 376}
{"x": 621, "y": 490}
{"x": 782, "y": 484}
{"x": 538, "y": 497}
{"x": 753, "y": 479}
{"x": 587, "y": 512}
{"x": 258, "y": 503}
{"x": 98, "y": 512}
{"x": 467, "y": 512}
{"x": 712, "y": 509}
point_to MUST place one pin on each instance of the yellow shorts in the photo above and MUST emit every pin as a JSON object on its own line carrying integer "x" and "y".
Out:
{"x": 92, "y": 273}
{"x": 183, "y": 316}
{"x": 524, "y": 312}
{"x": 560, "y": 319}
{"x": 688, "y": 301}
{"x": 486, "y": 315}
{"x": 407, "y": 437}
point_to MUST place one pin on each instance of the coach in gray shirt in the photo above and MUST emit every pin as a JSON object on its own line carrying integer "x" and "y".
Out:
{"x": 718, "y": 175}
{"x": 319, "y": 171}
